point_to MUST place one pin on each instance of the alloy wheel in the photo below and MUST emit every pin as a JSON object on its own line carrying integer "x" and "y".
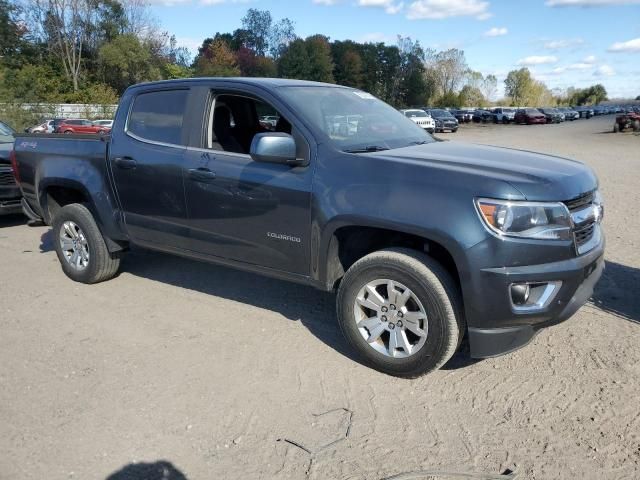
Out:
{"x": 74, "y": 245}
{"x": 391, "y": 318}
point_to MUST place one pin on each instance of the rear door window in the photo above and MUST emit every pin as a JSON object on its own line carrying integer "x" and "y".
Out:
{"x": 158, "y": 116}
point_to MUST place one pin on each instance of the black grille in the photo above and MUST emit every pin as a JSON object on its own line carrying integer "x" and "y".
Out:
{"x": 6, "y": 177}
{"x": 580, "y": 202}
{"x": 584, "y": 234}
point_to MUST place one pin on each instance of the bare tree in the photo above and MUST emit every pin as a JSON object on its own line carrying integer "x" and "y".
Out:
{"x": 446, "y": 69}
{"x": 64, "y": 25}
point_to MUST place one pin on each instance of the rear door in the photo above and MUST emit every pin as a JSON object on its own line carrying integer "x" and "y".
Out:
{"x": 146, "y": 159}
{"x": 253, "y": 212}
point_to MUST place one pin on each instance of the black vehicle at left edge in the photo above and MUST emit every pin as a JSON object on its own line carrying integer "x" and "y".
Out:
{"x": 10, "y": 195}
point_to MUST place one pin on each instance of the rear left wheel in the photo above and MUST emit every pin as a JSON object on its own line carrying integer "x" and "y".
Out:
{"x": 80, "y": 247}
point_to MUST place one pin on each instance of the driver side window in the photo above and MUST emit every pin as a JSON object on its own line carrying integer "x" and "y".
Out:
{"x": 234, "y": 120}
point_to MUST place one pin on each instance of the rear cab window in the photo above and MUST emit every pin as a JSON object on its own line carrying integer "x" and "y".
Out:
{"x": 158, "y": 116}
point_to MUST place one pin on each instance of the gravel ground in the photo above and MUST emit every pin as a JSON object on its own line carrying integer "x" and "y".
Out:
{"x": 180, "y": 370}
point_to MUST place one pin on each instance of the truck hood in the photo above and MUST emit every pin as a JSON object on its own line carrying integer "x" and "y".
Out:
{"x": 537, "y": 176}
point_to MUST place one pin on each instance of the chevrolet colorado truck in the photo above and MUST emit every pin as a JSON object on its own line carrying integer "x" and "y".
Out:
{"x": 425, "y": 241}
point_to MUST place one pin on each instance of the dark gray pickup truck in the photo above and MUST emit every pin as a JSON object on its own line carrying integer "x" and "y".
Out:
{"x": 426, "y": 242}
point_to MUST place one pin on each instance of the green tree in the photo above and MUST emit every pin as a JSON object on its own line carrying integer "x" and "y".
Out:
{"x": 410, "y": 83}
{"x": 125, "y": 61}
{"x": 518, "y": 86}
{"x": 471, "y": 97}
{"x": 217, "y": 61}
{"x": 294, "y": 62}
{"x": 257, "y": 25}
{"x": 347, "y": 63}
{"x": 446, "y": 69}
{"x": 320, "y": 63}
{"x": 351, "y": 69}
{"x": 11, "y": 33}
{"x": 449, "y": 99}
{"x": 32, "y": 84}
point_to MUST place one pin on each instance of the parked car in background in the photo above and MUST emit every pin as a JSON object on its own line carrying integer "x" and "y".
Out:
{"x": 463, "y": 115}
{"x": 483, "y": 116}
{"x": 425, "y": 242}
{"x": 585, "y": 112}
{"x": 504, "y": 114}
{"x": 47, "y": 126}
{"x": 569, "y": 113}
{"x": 553, "y": 115}
{"x": 443, "y": 119}
{"x": 420, "y": 118}
{"x": 529, "y": 116}
{"x": 10, "y": 196}
{"x": 80, "y": 125}
{"x": 103, "y": 123}
{"x": 269, "y": 120}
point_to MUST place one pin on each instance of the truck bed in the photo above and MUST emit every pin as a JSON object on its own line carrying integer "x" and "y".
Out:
{"x": 51, "y": 157}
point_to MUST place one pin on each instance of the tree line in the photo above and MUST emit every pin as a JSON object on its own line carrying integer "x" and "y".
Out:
{"x": 90, "y": 51}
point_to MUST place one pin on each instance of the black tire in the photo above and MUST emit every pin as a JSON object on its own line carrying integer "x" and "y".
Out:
{"x": 102, "y": 264}
{"x": 454, "y": 130}
{"x": 435, "y": 289}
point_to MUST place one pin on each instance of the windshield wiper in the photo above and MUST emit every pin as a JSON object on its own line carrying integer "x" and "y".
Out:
{"x": 367, "y": 149}
{"x": 421, "y": 142}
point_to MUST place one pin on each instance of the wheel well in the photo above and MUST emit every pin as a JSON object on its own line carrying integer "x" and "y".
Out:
{"x": 58, "y": 197}
{"x": 349, "y": 244}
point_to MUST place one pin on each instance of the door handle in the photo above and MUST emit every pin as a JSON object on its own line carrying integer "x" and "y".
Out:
{"x": 201, "y": 174}
{"x": 126, "y": 163}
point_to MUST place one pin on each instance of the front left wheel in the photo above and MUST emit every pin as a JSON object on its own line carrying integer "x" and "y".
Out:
{"x": 80, "y": 247}
{"x": 401, "y": 311}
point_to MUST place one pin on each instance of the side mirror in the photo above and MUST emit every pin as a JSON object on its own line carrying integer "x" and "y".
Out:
{"x": 274, "y": 147}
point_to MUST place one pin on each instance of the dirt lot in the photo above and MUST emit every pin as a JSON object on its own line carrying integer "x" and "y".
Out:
{"x": 219, "y": 373}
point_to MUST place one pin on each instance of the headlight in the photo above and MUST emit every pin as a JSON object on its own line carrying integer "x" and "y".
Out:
{"x": 598, "y": 202}
{"x": 537, "y": 220}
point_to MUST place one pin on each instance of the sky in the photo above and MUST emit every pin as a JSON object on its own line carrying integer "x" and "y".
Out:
{"x": 563, "y": 42}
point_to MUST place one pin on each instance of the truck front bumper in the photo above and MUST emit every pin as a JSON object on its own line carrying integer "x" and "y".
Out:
{"x": 578, "y": 276}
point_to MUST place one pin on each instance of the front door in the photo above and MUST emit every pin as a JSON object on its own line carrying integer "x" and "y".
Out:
{"x": 147, "y": 165}
{"x": 239, "y": 209}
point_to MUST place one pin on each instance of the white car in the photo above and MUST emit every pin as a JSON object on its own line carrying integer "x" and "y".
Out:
{"x": 421, "y": 118}
{"x": 46, "y": 127}
{"x": 103, "y": 123}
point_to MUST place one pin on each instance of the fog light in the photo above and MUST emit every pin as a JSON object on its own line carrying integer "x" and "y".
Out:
{"x": 532, "y": 296}
{"x": 520, "y": 293}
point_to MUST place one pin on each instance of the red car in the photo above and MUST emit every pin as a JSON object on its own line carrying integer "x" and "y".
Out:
{"x": 79, "y": 125}
{"x": 529, "y": 116}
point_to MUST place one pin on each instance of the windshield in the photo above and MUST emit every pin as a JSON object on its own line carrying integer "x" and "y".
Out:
{"x": 6, "y": 133}
{"x": 354, "y": 120}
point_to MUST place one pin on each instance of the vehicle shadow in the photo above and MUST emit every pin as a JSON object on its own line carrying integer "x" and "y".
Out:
{"x": 46, "y": 241}
{"x": 617, "y": 292}
{"x": 12, "y": 220}
{"x": 160, "y": 470}
{"x": 313, "y": 308}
